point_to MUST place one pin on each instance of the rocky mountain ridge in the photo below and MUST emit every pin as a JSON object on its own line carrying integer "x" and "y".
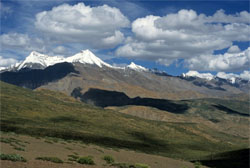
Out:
{"x": 37, "y": 60}
{"x": 87, "y": 71}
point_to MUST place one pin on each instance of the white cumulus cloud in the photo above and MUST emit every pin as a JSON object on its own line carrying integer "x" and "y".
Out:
{"x": 207, "y": 76}
{"x": 97, "y": 27}
{"x": 5, "y": 62}
{"x": 245, "y": 75}
{"x": 220, "y": 16}
{"x": 231, "y": 76}
{"x": 60, "y": 50}
{"x": 228, "y": 76}
{"x": 233, "y": 49}
{"x": 189, "y": 36}
{"x": 19, "y": 41}
{"x": 221, "y": 62}
{"x": 15, "y": 40}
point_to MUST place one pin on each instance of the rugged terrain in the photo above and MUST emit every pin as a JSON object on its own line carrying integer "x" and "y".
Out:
{"x": 85, "y": 70}
{"x": 53, "y": 114}
{"x": 136, "y": 114}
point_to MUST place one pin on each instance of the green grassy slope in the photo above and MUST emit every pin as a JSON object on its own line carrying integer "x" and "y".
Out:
{"x": 232, "y": 107}
{"x": 48, "y": 113}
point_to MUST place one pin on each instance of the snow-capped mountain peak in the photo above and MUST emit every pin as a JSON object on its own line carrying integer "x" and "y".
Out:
{"x": 3, "y": 68}
{"x": 39, "y": 59}
{"x": 34, "y": 58}
{"x": 87, "y": 57}
{"x": 230, "y": 77}
{"x": 207, "y": 76}
{"x": 136, "y": 67}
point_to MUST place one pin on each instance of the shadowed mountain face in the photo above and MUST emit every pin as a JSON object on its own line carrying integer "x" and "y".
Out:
{"x": 218, "y": 83}
{"x": 37, "y": 77}
{"x": 232, "y": 159}
{"x": 204, "y": 84}
{"x": 229, "y": 111}
{"x": 105, "y": 98}
{"x": 154, "y": 84}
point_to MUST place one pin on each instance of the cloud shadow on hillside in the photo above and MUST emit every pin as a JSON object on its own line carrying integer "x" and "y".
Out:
{"x": 105, "y": 98}
{"x": 141, "y": 141}
{"x": 229, "y": 111}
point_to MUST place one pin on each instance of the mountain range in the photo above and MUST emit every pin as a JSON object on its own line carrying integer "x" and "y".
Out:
{"x": 40, "y": 61}
{"x": 85, "y": 70}
{"x": 190, "y": 117}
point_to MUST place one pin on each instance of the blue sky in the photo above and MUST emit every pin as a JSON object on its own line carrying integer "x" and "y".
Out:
{"x": 174, "y": 36}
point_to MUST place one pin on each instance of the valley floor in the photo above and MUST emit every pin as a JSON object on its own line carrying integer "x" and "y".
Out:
{"x": 32, "y": 147}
